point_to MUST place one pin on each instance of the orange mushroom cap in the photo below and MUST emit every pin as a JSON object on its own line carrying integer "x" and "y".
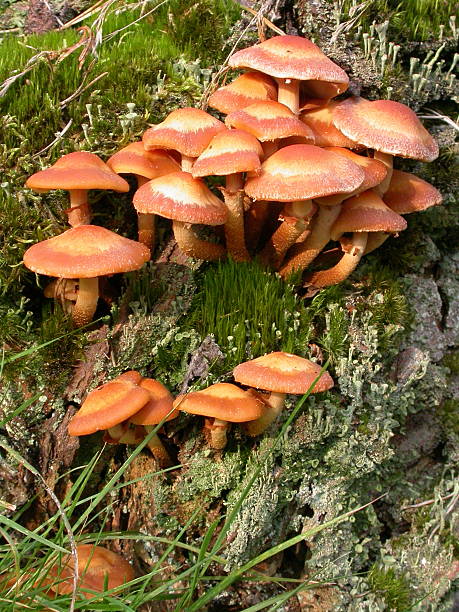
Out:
{"x": 109, "y": 405}
{"x": 302, "y": 172}
{"x": 97, "y": 566}
{"x": 386, "y": 126}
{"x": 243, "y": 91}
{"x": 134, "y": 159}
{"x": 158, "y": 408}
{"x": 294, "y": 57}
{"x": 282, "y": 373}
{"x": 408, "y": 193}
{"x": 222, "y": 401}
{"x": 78, "y": 170}
{"x": 86, "y": 251}
{"x": 374, "y": 170}
{"x": 229, "y": 152}
{"x": 269, "y": 120}
{"x": 320, "y": 121}
{"x": 188, "y": 130}
{"x": 180, "y": 196}
{"x": 366, "y": 212}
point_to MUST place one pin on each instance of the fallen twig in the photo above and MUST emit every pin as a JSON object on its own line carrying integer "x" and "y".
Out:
{"x": 59, "y": 136}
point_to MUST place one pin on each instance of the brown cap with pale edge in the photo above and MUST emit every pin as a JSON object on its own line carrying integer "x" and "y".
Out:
{"x": 408, "y": 193}
{"x": 293, "y": 57}
{"x": 243, "y": 91}
{"x": 159, "y": 406}
{"x": 229, "y": 152}
{"x": 188, "y": 130}
{"x": 222, "y": 401}
{"x": 109, "y": 405}
{"x": 386, "y": 126}
{"x": 98, "y": 569}
{"x": 302, "y": 172}
{"x": 134, "y": 159}
{"x": 269, "y": 120}
{"x": 86, "y": 251}
{"x": 79, "y": 170}
{"x": 367, "y": 213}
{"x": 325, "y": 133}
{"x": 375, "y": 171}
{"x": 181, "y": 197}
{"x": 282, "y": 373}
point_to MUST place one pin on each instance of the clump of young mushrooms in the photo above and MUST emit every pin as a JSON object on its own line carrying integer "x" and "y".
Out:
{"x": 284, "y": 140}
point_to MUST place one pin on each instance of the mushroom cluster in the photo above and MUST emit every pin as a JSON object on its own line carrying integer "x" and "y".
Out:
{"x": 300, "y": 169}
{"x": 129, "y": 406}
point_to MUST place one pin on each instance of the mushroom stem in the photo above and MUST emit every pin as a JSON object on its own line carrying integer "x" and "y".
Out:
{"x": 303, "y": 253}
{"x": 86, "y": 302}
{"x": 387, "y": 160}
{"x": 79, "y": 212}
{"x": 270, "y": 147}
{"x": 145, "y": 221}
{"x": 234, "y": 226}
{"x": 218, "y": 430}
{"x": 157, "y": 448}
{"x": 375, "y": 240}
{"x": 146, "y": 224}
{"x": 296, "y": 217}
{"x": 255, "y": 220}
{"x": 289, "y": 94}
{"x": 193, "y": 246}
{"x": 352, "y": 255}
{"x": 273, "y": 407}
{"x": 187, "y": 163}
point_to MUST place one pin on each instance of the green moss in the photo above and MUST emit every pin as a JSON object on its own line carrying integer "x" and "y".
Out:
{"x": 391, "y": 587}
{"x": 451, "y": 361}
{"x": 250, "y": 311}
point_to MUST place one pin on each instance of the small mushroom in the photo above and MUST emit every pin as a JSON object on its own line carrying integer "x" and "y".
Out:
{"x": 291, "y": 60}
{"x": 246, "y": 89}
{"x": 145, "y": 165}
{"x": 230, "y": 154}
{"x": 125, "y": 408}
{"x": 361, "y": 214}
{"x": 297, "y": 174}
{"x": 185, "y": 200}
{"x": 77, "y": 173}
{"x": 187, "y": 130}
{"x": 280, "y": 373}
{"x": 389, "y": 128}
{"x": 98, "y": 569}
{"x": 85, "y": 253}
{"x": 302, "y": 254}
{"x": 223, "y": 404}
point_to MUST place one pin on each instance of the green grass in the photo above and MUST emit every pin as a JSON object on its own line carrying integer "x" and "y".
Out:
{"x": 250, "y": 311}
{"x": 413, "y": 20}
{"x": 174, "y": 29}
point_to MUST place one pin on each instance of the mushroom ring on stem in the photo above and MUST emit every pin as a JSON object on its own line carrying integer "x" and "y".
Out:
{"x": 280, "y": 373}
{"x": 86, "y": 252}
